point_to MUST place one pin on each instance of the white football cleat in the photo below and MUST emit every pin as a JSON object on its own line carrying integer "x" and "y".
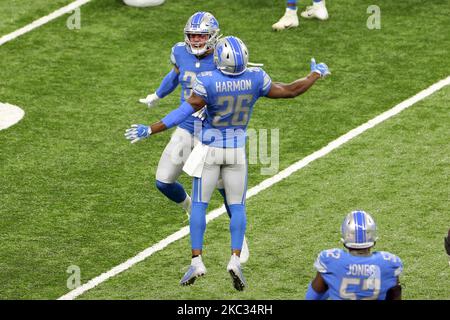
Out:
{"x": 234, "y": 268}
{"x": 289, "y": 20}
{"x": 245, "y": 254}
{"x": 143, "y": 3}
{"x": 317, "y": 10}
{"x": 196, "y": 269}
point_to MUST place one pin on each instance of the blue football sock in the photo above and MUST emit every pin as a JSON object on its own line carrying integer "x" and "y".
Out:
{"x": 173, "y": 191}
{"x": 222, "y": 192}
{"x": 291, "y": 4}
{"x": 197, "y": 224}
{"x": 238, "y": 223}
{"x": 317, "y": 0}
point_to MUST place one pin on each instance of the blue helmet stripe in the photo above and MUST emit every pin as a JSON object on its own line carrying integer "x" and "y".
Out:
{"x": 234, "y": 54}
{"x": 356, "y": 227}
{"x": 359, "y": 226}
{"x": 197, "y": 19}
{"x": 237, "y": 52}
{"x": 241, "y": 55}
{"x": 363, "y": 216}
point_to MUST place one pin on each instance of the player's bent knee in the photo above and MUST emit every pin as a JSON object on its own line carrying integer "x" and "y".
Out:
{"x": 173, "y": 191}
{"x": 162, "y": 186}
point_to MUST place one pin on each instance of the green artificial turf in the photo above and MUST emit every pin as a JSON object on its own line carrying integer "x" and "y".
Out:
{"x": 73, "y": 191}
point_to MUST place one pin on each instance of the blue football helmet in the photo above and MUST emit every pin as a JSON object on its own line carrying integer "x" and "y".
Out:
{"x": 359, "y": 230}
{"x": 201, "y": 23}
{"x": 231, "y": 56}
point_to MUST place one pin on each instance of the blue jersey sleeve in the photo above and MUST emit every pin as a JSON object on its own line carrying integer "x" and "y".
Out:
{"x": 262, "y": 79}
{"x": 325, "y": 259}
{"x": 266, "y": 83}
{"x": 175, "y": 54}
{"x": 200, "y": 87}
{"x": 392, "y": 263}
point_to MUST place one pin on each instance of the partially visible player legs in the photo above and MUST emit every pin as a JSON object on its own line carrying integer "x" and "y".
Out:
{"x": 202, "y": 189}
{"x": 317, "y": 10}
{"x": 170, "y": 167}
{"x": 234, "y": 175}
{"x": 175, "y": 192}
{"x": 245, "y": 253}
{"x": 197, "y": 227}
{"x": 235, "y": 180}
{"x": 289, "y": 19}
{"x": 238, "y": 225}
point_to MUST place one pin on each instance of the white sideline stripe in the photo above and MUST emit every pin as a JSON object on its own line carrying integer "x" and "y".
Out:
{"x": 41, "y": 21}
{"x": 9, "y": 115}
{"x": 260, "y": 187}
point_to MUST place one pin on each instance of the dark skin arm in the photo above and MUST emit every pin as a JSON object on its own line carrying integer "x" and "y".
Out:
{"x": 318, "y": 284}
{"x": 277, "y": 90}
{"x": 294, "y": 89}
{"x": 395, "y": 293}
{"x": 447, "y": 243}
{"x": 194, "y": 100}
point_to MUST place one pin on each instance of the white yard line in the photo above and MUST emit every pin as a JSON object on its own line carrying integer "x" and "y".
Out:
{"x": 260, "y": 187}
{"x": 37, "y": 23}
{"x": 9, "y": 115}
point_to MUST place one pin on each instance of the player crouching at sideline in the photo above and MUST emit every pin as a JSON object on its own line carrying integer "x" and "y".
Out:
{"x": 357, "y": 274}
{"x": 229, "y": 94}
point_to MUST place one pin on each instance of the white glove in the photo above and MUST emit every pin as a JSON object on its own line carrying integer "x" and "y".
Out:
{"x": 151, "y": 100}
{"x": 320, "y": 68}
{"x": 201, "y": 114}
{"x": 137, "y": 132}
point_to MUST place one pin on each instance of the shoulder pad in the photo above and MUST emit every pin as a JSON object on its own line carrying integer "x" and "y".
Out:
{"x": 175, "y": 51}
{"x": 325, "y": 258}
{"x": 393, "y": 261}
{"x": 254, "y": 69}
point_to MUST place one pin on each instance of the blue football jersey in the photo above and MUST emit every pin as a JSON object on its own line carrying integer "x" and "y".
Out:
{"x": 189, "y": 66}
{"x": 230, "y": 101}
{"x": 358, "y": 277}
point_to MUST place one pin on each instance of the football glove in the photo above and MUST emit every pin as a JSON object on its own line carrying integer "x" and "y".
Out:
{"x": 137, "y": 132}
{"x": 151, "y": 100}
{"x": 320, "y": 68}
{"x": 201, "y": 114}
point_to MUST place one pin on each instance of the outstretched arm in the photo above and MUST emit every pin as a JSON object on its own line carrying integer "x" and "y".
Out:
{"x": 139, "y": 131}
{"x": 168, "y": 84}
{"x": 296, "y": 88}
{"x": 177, "y": 116}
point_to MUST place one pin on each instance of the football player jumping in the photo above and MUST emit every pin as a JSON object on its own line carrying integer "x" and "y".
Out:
{"x": 357, "y": 274}
{"x": 290, "y": 19}
{"x": 189, "y": 58}
{"x": 229, "y": 94}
